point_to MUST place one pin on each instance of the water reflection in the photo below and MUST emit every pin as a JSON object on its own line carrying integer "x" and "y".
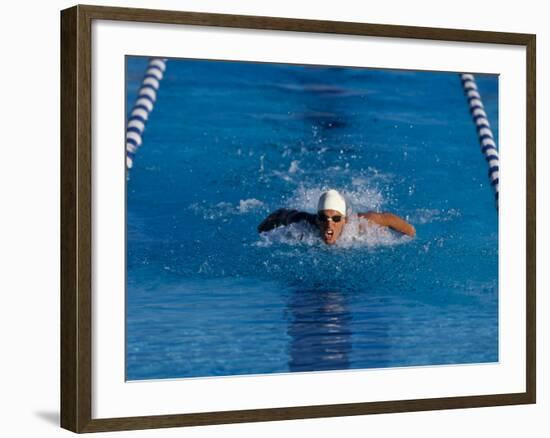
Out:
{"x": 319, "y": 327}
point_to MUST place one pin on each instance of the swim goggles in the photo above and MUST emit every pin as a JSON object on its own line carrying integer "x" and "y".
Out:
{"x": 325, "y": 218}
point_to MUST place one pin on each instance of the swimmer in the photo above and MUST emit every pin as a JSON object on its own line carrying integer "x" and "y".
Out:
{"x": 331, "y": 218}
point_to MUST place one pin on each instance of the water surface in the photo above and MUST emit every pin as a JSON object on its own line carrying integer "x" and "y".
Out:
{"x": 229, "y": 142}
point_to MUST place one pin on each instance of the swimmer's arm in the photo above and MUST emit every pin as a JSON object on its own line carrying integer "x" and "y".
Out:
{"x": 391, "y": 221}
{"x": 283, "y": 217}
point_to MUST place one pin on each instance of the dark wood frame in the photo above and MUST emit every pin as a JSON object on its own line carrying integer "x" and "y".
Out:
{"x": 76, "y": 225}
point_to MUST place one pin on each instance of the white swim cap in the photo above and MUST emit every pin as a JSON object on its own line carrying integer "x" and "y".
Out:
{"x": 332, "y": 200}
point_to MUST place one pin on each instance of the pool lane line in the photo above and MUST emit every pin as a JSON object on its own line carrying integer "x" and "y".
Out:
{"x": 484, "y": 132}
{"x": 143, "y": 106}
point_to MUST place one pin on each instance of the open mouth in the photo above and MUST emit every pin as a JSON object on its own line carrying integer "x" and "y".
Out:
{"x": 328, "y": 235}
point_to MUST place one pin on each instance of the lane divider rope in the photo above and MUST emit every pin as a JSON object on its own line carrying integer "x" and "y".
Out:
{"x": 484, "y": 132}
{"x": 143, "y": 106}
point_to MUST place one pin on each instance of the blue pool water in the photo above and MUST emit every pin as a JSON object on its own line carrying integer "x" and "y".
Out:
{"x": 227, "y": 143}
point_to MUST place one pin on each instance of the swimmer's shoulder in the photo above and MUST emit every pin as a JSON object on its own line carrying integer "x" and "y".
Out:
{"x": 285, "y": 216}
{"x": 302, "y": 216}
{"x": 369, "y": 215}
{"x": 389, "y": 220}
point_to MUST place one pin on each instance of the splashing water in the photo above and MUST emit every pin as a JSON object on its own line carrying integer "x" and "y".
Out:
{"x": 209, "y": 296}
{"x": 358, "y": 232}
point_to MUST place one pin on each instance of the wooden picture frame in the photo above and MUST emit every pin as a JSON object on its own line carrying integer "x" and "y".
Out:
{"x": 76, "y": 218}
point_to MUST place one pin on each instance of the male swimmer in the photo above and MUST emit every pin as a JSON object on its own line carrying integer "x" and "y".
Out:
{"x": 331, "y": 218}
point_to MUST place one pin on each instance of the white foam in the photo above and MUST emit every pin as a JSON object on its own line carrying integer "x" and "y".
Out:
{"x": 224, "y": 209}
{"x": 294, "y": 167}
{"x": 426, "y": 215}
{"x": 249, "y": 204}
{"x": 360, "y": 198}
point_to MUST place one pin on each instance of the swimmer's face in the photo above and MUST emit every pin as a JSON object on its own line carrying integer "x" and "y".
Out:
{"x": 329, "y": 228}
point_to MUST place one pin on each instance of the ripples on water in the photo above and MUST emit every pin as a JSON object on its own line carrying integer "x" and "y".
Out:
{"x": 208, "y": 296}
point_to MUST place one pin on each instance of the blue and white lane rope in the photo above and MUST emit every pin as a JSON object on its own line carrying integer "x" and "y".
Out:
{"x": 143, "y": 106}
{"x": 486, "y": 139}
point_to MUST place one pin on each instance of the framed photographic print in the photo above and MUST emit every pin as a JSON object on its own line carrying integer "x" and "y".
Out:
{"x": 267, "y": 218}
